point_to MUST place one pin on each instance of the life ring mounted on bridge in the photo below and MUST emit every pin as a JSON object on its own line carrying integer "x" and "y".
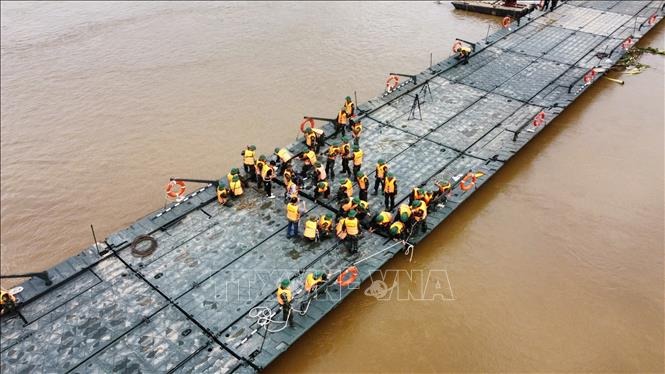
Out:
{"x": 457, "y": 46}
{"x": 468, "y": 182}
{"x": 652, "y": 20}
{"x": 391, "y": 83}
{"x": 175, "y": 189}
{"x": 309, "y": 121}
{"x": 588, "y": 77}
{"x": 348, "y": 276}
{"x": 506, "y": 22}
{"x": 539, "y": 119}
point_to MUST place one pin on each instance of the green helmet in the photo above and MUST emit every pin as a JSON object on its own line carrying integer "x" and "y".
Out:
{"x": 318, "y": 274}
{"x": 352, "y": 213}
{"x": 360, "y": 174}
{"x": 343, "y": 180}
{"x": 421, "y": 191}
{"x": 329, "y": 215}
{"x": 356, "y": 200}
{"x": 235, "y": 171}
{"x": 356, "y": 148}
{"x": 221, "y": 182}
{"x": 262, "y": 158}
{"x": 276, "y": 150}
{"x": 285, "y": 282}
{"x": 393, "y": 231}
{"x": 313, "y": 218}
{"x": 317, "y": 164}
{"x": 308, "y": 130}
{"x": 236, "y": 178}
{"x": 404, "y": 217}
{"x": 221, "y": 185}
{"x": 321, "y": 185}
{"x": 381, "y": 161}
{"x": 348, "y": 98}
{"x": 379, "y": 218}
{"x": 345, "y": 139}
{"x": 416, "y": 203}
{"x": 390, "y": 175}
{"x": 252, "y": 147}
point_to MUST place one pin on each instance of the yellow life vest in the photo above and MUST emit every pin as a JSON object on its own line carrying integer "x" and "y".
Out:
{"x": 310, "y": 157}
{"x": 349, "y": 188}
{"x": 363, "y": 206}
{"x": 389, "y": 186}
{"x": 332, "y": 152}
{"x": 236, "y": 188}
{"x": 284, "y": 155}
{"x": 399, "y": 225}
{"x": 292, "y": 212}
{"x": 342, "y": 117}
{"x": 288, "y": 177}
{"x": 444, "y": 187}
{"x": 427, "y": 197}
{"x": 264, "y": 171}
{"x": 348, "y": 205}
{"x": 351, "y": 225}
{"x": 363, "y": 182}
{"x": 346, "y": 150}
{"x": 310, "y": 229}
{"x": 358, "y": 157}
{"x": 357, "y": 128}
{"x": 464, "y": 50}
{"x": 248, "y": 157}
{"x": 222, "y": 195}
{"x": 325, "y": 223}
{"x": 284, "y": 291}
{"x": 403, "y": 208}
{"x": 419, "y": 213}
{"x": 348, "y": 108}
{"x": 387, "y": 218}
{"x": 321, "y": 175}
{"x": 229, "y": 178}
{"x": 381, "y": 170}
{"x": 325, "y": 187}
{"x": 310, "y": 139}
{"x": 310, "y": 281}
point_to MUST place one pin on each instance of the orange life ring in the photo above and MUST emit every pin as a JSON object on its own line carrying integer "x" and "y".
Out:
{"x": 463, "y": 184}
{"x": 506, "y": 22}
{"x": 588, "y": 77}
{"x": 395, "y": 81}
{"x": 627, "y": 43}
{"x": 306, "y": 121}
{"x": 652, "y": 19}
{"x": 539, "y": 119}
{"x": 343, "y": 280}
{"x": 457, "y": 46}
{"x": 171, "y": 189}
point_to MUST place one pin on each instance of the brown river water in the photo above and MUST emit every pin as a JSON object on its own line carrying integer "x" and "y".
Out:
{"x": 555, "y": 265}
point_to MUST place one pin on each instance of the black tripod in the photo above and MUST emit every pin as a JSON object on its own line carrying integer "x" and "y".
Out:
{"x": 424, "y": 91}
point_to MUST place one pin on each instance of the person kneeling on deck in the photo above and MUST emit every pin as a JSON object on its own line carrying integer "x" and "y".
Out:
{"x": 258, "y": 167}
{"x": 233, "y": 172}
{"x": 348, "y": 229}
{"x": 322, "y": 189}
{"x": 268, "y": 174}
{"x": 309, "y": 159}
{"x": 416, "y": 194}
{"x": 311, "y": 231}
{"x": 345, "y": 189}
{"x": 313, "y": 280}
{"x": 325, "y": 225}
{"x": 382, "y": 221}
{"x": 363, "y": 212}
{"x": 380, "y": 175}
{"x": 284, "y": 297}
{"x": 357, "y": 160}
{"x": 419, "y": 214}
{"x": 397, "y": 230}
{"x": 223, "y": 193}
{"x": 389, "y": 191}
{"x": 293, "y": 212}
{"x": 404, "y": 214}
{"x": 283, "y": 158}
{"x": 440, "y": 196}
{"x": 463, "y": 53}
{"x": 236, "y": 186}
{"x": 248, "y": 160}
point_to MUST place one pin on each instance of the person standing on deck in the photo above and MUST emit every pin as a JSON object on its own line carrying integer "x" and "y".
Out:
{"x": 293, "y": 212}
{"x": 349, "y": 107}
{"x": 248, "y": 160}
{"x": 222, "y": 193}
{"x": 380, "y": 175}
{"x": 283, "y": 157}
{"x": 322, "y": 189}
{"x": 268, "y": 174}
{"x": 259, "y": 169}
{"x": 357, "y": 160}
{"x": 346, "y": 154}
{"x": 236, "y": 186}
{"x": 389, "y": 191}
{"x": 332, "y": 153}
{"x": 284, "y": 297}
{"x": 363, "y": 185}
{"x": 342, "y": 122}
{"x": 311, "y": 140}
{"x": 356, "y": 129}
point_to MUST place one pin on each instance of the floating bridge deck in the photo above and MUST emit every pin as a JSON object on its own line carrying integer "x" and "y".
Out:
{"x": 187, "y": 306}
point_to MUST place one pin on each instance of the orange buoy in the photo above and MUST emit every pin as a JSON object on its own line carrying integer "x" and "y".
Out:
{"x": 175, "y": 189}
{"x": 392, "y": 82}
{"x": 348, "y": 276}
{"x": 506, "y": 22}
{"x": 457, "y": 46}
{"x": 627, "y": 43}
{"x": 588, "y": 77}
{"x": 309, "y": 121}
{"x": 468, "y": 182}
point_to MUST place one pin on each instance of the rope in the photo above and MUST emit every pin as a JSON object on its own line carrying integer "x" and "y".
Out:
{"x": 264, "y": 316}
{"x": 376, "y": 253}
